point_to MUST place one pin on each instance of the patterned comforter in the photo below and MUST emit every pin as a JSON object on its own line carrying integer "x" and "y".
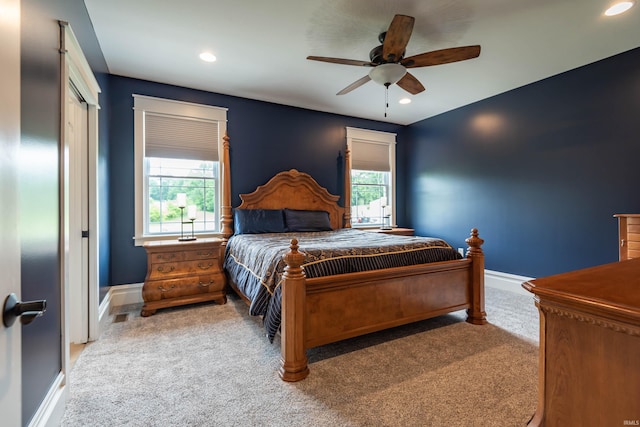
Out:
{"x": 255, "y": 265}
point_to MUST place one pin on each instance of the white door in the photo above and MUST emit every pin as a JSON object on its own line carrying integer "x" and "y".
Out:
{"x": 78, "y": 257}
{"x": 10, "y": 338}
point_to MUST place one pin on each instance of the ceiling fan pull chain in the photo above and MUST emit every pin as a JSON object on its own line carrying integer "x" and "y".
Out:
{"x": 386, "y": 98}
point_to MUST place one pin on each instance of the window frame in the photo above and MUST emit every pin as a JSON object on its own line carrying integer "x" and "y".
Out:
{"x": 387, "y": 139}
{"x": 187, "y": 110}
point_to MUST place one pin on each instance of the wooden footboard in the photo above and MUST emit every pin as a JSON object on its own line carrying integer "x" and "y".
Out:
{"x": 327, "y": 309}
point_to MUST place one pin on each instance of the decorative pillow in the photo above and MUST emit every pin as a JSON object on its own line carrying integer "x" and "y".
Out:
{"x": 257, "y": 221}
{"x": 307, "y": 220}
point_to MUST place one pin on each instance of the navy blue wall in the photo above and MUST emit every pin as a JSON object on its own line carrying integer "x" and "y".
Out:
{"x": 539, "y": 170}
{"x": 265, "y": 139}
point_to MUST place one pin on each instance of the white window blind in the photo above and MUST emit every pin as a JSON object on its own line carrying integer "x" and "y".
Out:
{"x": 367, "y": 155}
{"x": 180, "y": 137}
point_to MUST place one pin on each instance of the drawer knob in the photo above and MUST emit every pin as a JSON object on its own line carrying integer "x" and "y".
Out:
{"x": 162, "y": 269}
{"x": 205, "y": 253}
{"x": 205, "y": 285}
{"x": 205, "y": 266}
{"x": 163, "y": 289}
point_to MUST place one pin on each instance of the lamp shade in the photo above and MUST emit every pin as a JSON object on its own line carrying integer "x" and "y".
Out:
{"x": 387, "y": 74}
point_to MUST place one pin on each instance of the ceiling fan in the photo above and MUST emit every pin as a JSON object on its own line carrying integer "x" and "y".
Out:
{"x": 390, "y": 65}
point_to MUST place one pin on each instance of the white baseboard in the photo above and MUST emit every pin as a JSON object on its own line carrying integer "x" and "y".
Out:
{"x": 125, "y": 294}
{"x": 104, "y": 313}
{"x": 506, "y": 281}
{"x": 51, "y": 410}
{"x": 117, "y": 296}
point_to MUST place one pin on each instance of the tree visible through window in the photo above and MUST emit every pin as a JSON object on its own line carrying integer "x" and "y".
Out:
{"x": 372, "y": 177}
{"x": 369, "y": 197}
{"x": 170, "y": 177}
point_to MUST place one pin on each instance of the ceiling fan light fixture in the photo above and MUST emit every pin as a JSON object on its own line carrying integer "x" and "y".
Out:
{"x": 619, "y": 8}
{"x": 387, "y": 74}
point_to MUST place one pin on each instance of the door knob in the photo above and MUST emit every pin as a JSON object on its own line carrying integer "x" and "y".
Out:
{"x": 26, "y": 311}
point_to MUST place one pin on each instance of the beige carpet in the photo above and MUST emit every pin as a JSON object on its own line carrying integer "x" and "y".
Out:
{"x": 210, "y": 365}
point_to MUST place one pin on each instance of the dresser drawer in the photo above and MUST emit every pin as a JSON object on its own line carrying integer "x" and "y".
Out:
{"x": 173, "y": 288}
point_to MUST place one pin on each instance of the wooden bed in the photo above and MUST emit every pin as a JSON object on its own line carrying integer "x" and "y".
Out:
{"x": 322, "y": 310}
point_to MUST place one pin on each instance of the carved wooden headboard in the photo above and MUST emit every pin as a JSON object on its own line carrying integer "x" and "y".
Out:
{"x": 295, "y": 190}
{"x": 291, "y": 189}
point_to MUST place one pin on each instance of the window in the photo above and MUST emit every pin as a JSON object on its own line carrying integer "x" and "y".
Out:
{"x": 372, "y": 177}
{"x": 177, "y": 168}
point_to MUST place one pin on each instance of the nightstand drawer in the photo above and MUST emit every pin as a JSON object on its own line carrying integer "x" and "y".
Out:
{"x": 164, "y": 270}
{"x": 173, "y": 288}
{"x": 176, "y": 269}
{"x": 207, "y": 253}
{"x": 167, "y": 257}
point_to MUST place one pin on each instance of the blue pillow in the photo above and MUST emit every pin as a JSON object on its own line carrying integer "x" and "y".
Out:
{"x": 307, "y": 220}
{"x": 257, "y": 221}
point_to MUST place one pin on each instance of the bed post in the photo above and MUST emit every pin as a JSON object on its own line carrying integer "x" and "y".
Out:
{"x": 293, "y": 360}
{"x": 347, "y": 187}
{"x": 226, "y": 219}
{"x": 476, "y": 314}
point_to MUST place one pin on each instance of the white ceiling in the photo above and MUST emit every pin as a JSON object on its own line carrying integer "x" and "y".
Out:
{"x": 262, "y": 47}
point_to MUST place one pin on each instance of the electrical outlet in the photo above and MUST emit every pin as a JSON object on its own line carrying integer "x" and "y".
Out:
{"x": 461, "y": 252}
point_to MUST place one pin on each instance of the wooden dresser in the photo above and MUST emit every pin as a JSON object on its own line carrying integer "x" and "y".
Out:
{"x": 628, "y": 235}
{"x": 181, "y": 273}
{"x": 589, "y": 372}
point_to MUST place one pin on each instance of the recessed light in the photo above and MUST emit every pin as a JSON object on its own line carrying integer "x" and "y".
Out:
{"x": 405, "y": 101}
{"x": 207, "y": 57}
{"x": 619, "y": 8}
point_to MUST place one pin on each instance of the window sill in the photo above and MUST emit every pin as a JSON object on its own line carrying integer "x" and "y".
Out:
{"x": 141, "y": 240}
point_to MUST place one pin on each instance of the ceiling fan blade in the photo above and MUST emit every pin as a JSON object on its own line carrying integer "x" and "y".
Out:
{"x": 341, "y": 61}
{"x": 397, "y": 37}
{"x": 443, "y": 56}
{"x": 354, "y": 85}
{"x": 410, "y": 84}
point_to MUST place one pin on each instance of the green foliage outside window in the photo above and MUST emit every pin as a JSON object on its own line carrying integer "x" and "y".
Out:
{"x": 367, "y": 186}
{"x": 369, "y": 192}
{"x": 169, "y": 177}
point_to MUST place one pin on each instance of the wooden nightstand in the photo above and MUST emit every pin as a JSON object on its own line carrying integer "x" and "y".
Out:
{"x": 396, "y": 230}
{"x": 180, "y": 273}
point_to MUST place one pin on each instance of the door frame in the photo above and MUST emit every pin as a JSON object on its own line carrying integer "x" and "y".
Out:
{"x": 77, "y": 72}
